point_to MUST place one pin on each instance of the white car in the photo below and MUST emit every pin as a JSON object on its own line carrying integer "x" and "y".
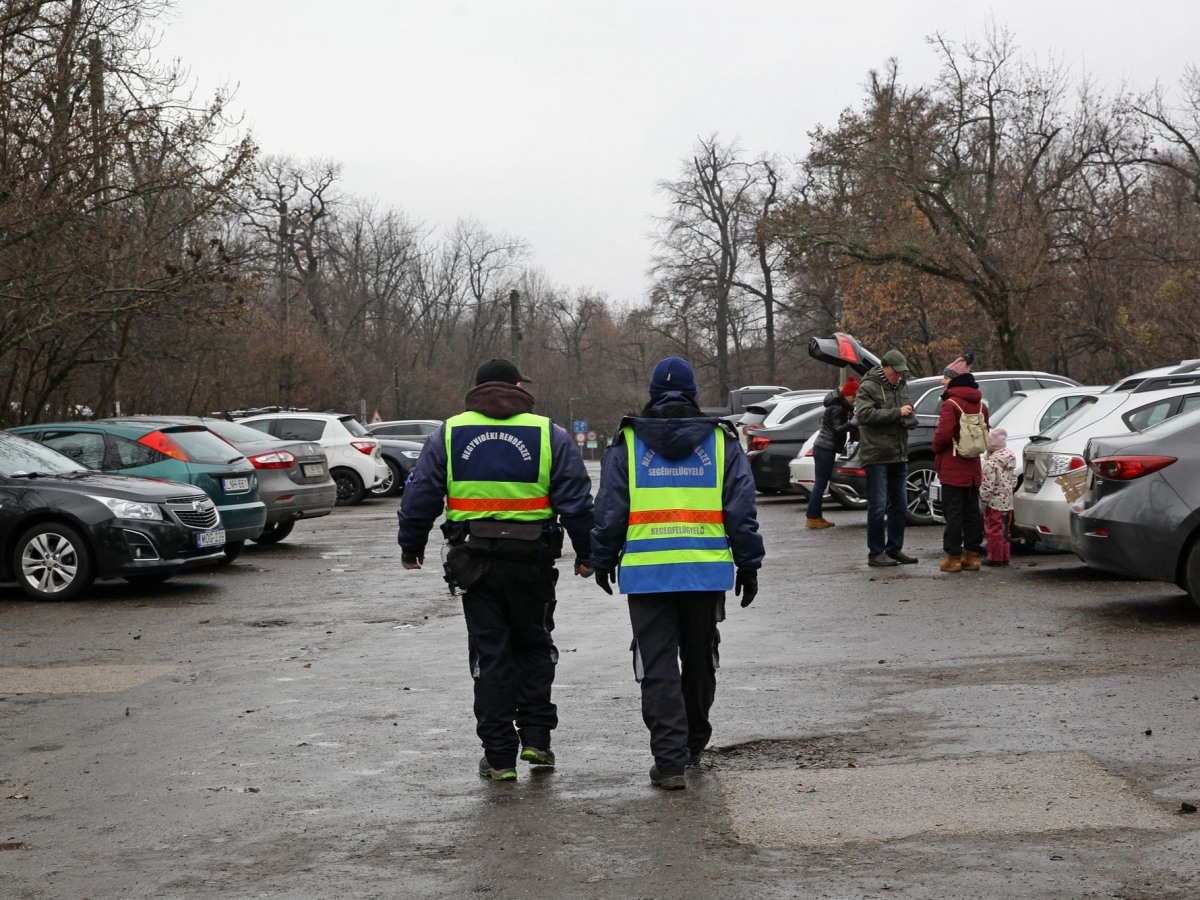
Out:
{"x": 354, "y": 459}
{"x": 803, "y": 470}
{"x": 1027, "y": 413}
{"x": 1054, "y": 473}
{"x": 777, "y": 409}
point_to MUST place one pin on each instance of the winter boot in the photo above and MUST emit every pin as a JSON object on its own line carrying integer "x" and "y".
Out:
{"x": 667, "y": 782}
{"x": 819, "y": 523}
{"x": 952, "y": 563}
{"x": 970, "y": 561}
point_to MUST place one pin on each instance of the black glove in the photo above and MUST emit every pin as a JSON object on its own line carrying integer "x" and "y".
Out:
{"x": 746, "y": 585}
{"x": 604, "y": 579}
{"x": 411, "y": 561}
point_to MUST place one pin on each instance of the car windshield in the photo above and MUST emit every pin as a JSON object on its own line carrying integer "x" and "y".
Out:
{"x": 1009, "y": 405}
{"x": 20, "y": 457}
{"x": 236, "y": 433}
{"x": 353, "y": 426}
{"x": 1067, "y": 422}
{"x": 202, "y": 446}
{"x": 1178, "y": 423}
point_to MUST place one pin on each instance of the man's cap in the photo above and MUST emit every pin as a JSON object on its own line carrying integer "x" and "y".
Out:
{"x": 499, "y": 370}
{"x": 672, "y": 374}
{"x": 895, "y": 359}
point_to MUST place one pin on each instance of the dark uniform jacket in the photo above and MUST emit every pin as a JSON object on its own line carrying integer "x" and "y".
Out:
{"x": 570, "y": 486}
{"x": 674, "y": 428}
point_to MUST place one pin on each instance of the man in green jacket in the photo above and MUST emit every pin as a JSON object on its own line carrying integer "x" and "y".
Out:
{"x": 885, "y": 415}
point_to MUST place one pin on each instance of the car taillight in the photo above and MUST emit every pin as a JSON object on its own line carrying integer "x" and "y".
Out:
{"x": 810, "y": 452}
{"x": 276, "y": 459}
{"x": 861, "y": 473}
{"x": 758, "y": 443}
{"x": 366, "y": 447}
{"x": 156, "y": 440}
{"x": 1126, "y": 468}
{"x": 747, "y": 428}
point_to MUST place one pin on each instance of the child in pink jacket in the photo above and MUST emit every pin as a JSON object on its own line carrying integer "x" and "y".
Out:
{"x": 996, "y": 493}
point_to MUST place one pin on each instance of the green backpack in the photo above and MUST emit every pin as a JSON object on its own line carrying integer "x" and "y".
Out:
{"x": 972, "y": 434}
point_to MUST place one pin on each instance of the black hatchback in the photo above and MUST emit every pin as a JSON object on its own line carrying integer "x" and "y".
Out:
{"x": 62, "y": 526}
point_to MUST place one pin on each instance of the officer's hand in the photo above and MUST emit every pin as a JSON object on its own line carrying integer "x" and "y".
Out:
{"x": 582, "y": 569}
{"x": 411, "y": 562}
{"x": 604, "y": 580}
{"x": 746, "y": 585}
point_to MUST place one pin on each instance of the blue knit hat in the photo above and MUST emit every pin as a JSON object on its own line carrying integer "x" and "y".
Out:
{"x": 672, "y": 374}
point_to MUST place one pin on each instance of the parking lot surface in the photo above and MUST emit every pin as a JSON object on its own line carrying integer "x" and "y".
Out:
{"x": 298, "y": 724}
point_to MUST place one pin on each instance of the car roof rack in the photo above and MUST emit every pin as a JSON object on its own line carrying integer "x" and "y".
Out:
{"x": 1177, "y": 378}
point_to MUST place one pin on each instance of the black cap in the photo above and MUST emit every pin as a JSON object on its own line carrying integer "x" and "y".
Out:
{"x": 499, "y": 370}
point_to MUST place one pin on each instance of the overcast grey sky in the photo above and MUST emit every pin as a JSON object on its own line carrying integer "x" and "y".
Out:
{"x": 552, "y": 121}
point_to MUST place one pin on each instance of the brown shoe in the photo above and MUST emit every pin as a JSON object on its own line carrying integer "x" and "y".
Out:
{"x": 952, "y": 563}
{"x": 970, "y": 562}
{"x": 819, "y": 523}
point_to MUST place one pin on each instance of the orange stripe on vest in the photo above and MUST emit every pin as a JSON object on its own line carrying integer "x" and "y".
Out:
{"x": 657, "y": 516}
{"x": 498, "y": 505}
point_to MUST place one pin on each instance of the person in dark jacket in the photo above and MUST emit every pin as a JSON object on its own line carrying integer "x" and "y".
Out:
{"x": 675, "y": 512}
{"x": 836, "y": 424}
{"x": 885, "y": 416}
{"x": 512, "y": 481}
{"x": 962, "y": 538}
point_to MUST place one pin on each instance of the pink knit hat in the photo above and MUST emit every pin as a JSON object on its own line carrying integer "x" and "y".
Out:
{"x": 997, "y": 440}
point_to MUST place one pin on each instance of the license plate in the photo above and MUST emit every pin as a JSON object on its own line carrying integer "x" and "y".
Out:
{"x": 313, "y": 471}
{"x": 211, "y": 538}
{"x": 235, "y": 485}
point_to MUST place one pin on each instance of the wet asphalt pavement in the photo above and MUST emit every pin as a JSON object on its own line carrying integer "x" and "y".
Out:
{"x": 298, "y": 724}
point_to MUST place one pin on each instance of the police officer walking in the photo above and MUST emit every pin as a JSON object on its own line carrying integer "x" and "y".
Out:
{"x": 675, "y": 511}
{"x": 509, "y": 478}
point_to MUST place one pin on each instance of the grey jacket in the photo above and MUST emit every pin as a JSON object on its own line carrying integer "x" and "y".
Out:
{"x": 883, "y": 432}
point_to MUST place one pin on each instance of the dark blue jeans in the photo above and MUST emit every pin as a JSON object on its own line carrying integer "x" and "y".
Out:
{"x": 887, "y": 502}
{"x": 823, "y": 459}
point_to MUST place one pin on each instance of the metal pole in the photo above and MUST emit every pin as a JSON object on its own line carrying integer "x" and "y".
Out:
{"x": 514, "y": 330}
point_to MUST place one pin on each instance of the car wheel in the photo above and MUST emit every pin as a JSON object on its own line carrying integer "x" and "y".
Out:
{"x": 276, "y": 532}
{"x": 148, "y": 580}
{"x": 349, "y": 487}
{"x": 233, "y": 549}
{"x": 920, "y": 476}
{"x": 391, "y": 484}
{"x": 52, "y": 562}
{"x": 846, "y": 499}
{"x": 1191, "y": 574}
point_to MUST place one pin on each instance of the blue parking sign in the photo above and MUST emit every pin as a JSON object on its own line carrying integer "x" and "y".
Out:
{"x": 580, "y": 426}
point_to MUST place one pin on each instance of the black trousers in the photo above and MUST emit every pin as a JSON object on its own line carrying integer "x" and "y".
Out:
{"x": 670, "y": 629}
{"x": 510, "y": 617}
{"x": 964, "y": 520}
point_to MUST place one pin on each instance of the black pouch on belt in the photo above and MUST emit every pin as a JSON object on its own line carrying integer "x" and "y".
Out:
{"x": 507, "y": 540}
{"x": 463, "y": 567}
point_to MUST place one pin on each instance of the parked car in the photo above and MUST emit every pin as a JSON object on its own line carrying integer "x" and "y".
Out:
{"x": 415, "y": 430}
{"x": 355, "y": 461}
{"x": 1140, "y": 513}
{"x": 1026, "y": 414}
{"x": 752, "y": 420}
{"x": 803, "y": 471}
{"x": 149, "y": 447}
{"x": 293, "y": 476}
{"x": 401, "y": 458}
{"x": 1054, "y": 469}
{"x": 741, "y": 398}
{"x": 62, "y": 525}
{"x": 771, "y": 450}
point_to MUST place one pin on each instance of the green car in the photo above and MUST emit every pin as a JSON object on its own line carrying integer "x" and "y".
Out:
{"x": 168, "y": 451}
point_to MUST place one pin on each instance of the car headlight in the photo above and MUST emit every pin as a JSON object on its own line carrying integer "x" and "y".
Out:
{"x": 410, "y": 454}
{"x": 130, "y": 509}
